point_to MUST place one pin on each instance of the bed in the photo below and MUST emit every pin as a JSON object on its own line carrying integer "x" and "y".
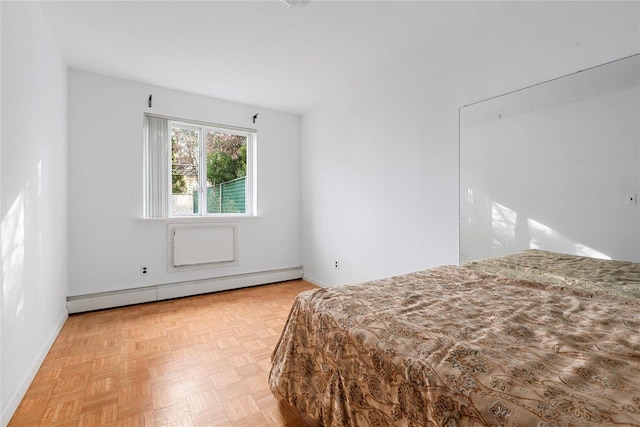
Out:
{"x": 531, "y": 339}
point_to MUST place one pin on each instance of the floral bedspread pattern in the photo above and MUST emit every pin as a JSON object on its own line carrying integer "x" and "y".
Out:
{"x": 588, "y": 274}
{"x": 453, "y": 346}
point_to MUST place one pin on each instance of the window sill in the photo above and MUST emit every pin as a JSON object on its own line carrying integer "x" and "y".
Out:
{"x": 199, "y": 219}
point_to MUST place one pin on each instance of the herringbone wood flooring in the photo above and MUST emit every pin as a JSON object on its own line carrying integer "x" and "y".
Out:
{"x": 196, "y": 361}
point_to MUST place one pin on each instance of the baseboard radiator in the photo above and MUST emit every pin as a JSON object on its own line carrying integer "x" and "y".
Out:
{"x": 102, "y": 300}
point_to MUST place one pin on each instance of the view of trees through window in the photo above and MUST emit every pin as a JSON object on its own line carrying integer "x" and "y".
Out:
{"x": 224, "y": 171}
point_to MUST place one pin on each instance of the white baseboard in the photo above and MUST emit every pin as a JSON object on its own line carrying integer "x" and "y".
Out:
{"x": 99, "y": 301}
{"x": 90, "y": 302}
{"x": 12, "y": 403}
{"x": 177, "y": 290}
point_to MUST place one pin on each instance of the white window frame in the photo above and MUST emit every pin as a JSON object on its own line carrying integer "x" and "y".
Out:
{"x": 251, "y": 179}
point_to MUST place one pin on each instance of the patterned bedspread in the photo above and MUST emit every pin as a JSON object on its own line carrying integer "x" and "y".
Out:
{"x": 454, "y": 346}
{"x": 589, "y": 274}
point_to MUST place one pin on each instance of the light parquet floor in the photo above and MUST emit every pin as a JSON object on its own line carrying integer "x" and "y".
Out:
{"x": 196, "y": 361}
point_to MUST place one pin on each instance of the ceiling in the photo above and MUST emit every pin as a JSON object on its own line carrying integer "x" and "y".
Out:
{"x": 260, "y": 53}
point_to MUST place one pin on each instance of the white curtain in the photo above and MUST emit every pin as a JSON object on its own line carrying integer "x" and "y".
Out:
{"x": 156, "y": 165}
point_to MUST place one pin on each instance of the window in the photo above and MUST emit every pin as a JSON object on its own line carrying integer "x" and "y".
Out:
{"x": 207, "y": 169}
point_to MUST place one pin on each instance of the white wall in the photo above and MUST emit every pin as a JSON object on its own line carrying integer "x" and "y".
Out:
{"x": 33, "y": 204}
{"x": 380, "y": 160}
{"x": 108, "y": 240}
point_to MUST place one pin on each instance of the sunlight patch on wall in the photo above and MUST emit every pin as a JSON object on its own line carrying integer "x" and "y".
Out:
{"x": 13, "y": 248}
{"x": 470, "y": 196}
{"x": 544, "y": 237}
{"x": 503, "y": 224}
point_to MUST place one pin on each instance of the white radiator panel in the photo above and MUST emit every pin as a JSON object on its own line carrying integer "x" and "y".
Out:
{"x": 201, "y": 244}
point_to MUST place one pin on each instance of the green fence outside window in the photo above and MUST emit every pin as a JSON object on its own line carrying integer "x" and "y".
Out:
{"x": 228, "y": 197}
